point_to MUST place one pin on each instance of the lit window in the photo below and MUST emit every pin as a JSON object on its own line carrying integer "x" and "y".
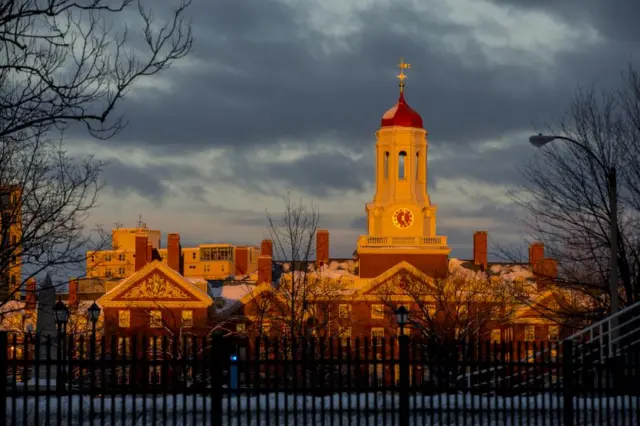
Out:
{"x": 155, "y": 374}
{"x": 124, "y": 319}
{"x": 345, "y": 335}
{"x": 496, "y": 335}
{"x": 187, "y": 318}
{"x": 124, "y": 345}
{"x": 377, "y": 336}
{"x": 241, "y": 328}
{"x": 554, "y": 332}
{"x": 406, "y": 331}
{"x": 529, "y": 333}
{"x": 344, "y": 311}
{"x": 377, "y": 311}
{"x": 155, "y": 319}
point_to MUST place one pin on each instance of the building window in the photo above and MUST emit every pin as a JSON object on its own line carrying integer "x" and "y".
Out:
{"x": 241, "y": 328}
{"x": 107, "y": 272}
{"x": 155, "y": 374}
{"x": 193, "y": 255}
{"x": 216, "y": 253}
{"x": 121, "y": 271}
{"x": 529, "y": 333}
{"x": 124, "y": 346}
{"x": 122, "y": 257}
{"x": 107, "y": 258}
{"x": 496, "y": 336}
{"x": 345, "y": 335}
{"x": 124, "y": 319}
{"x": 418, "y": 165}
{"x": 187, "y": 319}
{"x": 207, "y": 268}
{"x": 402, "y": 162}
{"x": 377, "y": 311}
{"x": 155, "y": 319}
{"x": 386, "y": 165}
{"x": 554, "y": 332}
{"x": 405, "y": 331}
{"x": 344, "y": 311}
{"x": 377, "y": 336}
{"x": 122, "y": 375}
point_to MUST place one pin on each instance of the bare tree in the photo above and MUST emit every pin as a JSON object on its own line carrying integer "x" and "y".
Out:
{"x": 293, "y": 238}
{"x": 66, "y": 62}
{"x": 457, "y": 308}
{"x": 566, "y": 196}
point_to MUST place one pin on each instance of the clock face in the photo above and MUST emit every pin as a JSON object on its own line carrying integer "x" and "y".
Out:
{"x": 403, "y": 218}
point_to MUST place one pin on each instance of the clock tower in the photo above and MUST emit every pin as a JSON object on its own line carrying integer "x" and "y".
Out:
{"x": 401, "y": 218}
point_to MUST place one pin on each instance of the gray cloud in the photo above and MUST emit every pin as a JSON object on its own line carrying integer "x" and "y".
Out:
{"x": 264, "y": 79}
{"x": 149, "y": 181}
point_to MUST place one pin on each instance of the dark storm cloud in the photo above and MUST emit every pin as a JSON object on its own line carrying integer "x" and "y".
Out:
{"x": 496, "y": 166}
{"x": 616, "y": 20}
{"x": 317, "y": 174}
{"x": 264, "y": 78}
{"x": 149, "y": 181}
{"x": 270, "y": 79}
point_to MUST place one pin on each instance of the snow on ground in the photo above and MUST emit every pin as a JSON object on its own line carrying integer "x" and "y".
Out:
{"x": 354, "y": 409}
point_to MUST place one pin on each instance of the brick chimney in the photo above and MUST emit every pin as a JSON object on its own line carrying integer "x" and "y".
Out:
{"x": 547, "y": 271}
{"x": 536, "y": 254}
{"x": 73, "y": 293}
{"x": 242, "y": 260}
{"x": 322, "y": 247}
{"x": 264, "y": 270}
{"x": 266, "y": 248}
{"x": 173, "y": 252}
{"x": 31, "y": 297}
{"x": 480, "y": 249}
{"x": 141, "y": 252}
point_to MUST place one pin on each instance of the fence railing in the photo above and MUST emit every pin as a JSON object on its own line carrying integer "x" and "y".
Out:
{"x": 219, "y": 381}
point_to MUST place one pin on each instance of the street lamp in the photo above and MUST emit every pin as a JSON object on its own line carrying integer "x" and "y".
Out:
{"x": 402, "y": 317}
{"x": 61, "y": 316}
{"x": 541, "y": 140}
{"x": 94, "y": 314}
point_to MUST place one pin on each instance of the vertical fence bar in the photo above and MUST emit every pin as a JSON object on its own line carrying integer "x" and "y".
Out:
{"x": 567, "y": 375}
{"x": 216, "y": 366}
{"x": 404, "y": 380}
{"x": 3, "y": 373}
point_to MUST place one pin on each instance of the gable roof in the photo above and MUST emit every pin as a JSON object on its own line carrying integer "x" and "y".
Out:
{"x": 180, "y": 292}
{"x": 390, "y": 273}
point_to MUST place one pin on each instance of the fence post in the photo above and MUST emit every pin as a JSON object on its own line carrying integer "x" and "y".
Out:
{"x": 567, "y": 381}
{"x": 403, "y": 340}
{"x": 3, "y": 374}
{"x": 215, "y": 368}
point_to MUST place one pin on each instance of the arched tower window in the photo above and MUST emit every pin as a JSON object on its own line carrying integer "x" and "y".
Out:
{"x": 417, "y": 165}
{"x": 402, "y": 157}
{"x": 386, "y": 165}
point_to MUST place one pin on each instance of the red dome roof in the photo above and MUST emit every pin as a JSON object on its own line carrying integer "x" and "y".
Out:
{"x": 401, "y": 114}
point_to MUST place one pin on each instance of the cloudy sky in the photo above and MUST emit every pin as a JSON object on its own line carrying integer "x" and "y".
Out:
{"x": 286, "y": 95}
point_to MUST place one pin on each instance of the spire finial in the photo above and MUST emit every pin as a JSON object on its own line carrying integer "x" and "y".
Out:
{"x": 402, "y": 65}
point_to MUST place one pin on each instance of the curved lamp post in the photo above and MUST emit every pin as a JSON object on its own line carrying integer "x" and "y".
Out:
{"x": 541, "y": 140}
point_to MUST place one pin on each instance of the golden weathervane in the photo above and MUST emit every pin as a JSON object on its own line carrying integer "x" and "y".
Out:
{"x": 402, "y": 65}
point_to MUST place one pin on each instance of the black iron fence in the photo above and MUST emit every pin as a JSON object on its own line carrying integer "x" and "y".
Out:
{"x": 219, "y": 381}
